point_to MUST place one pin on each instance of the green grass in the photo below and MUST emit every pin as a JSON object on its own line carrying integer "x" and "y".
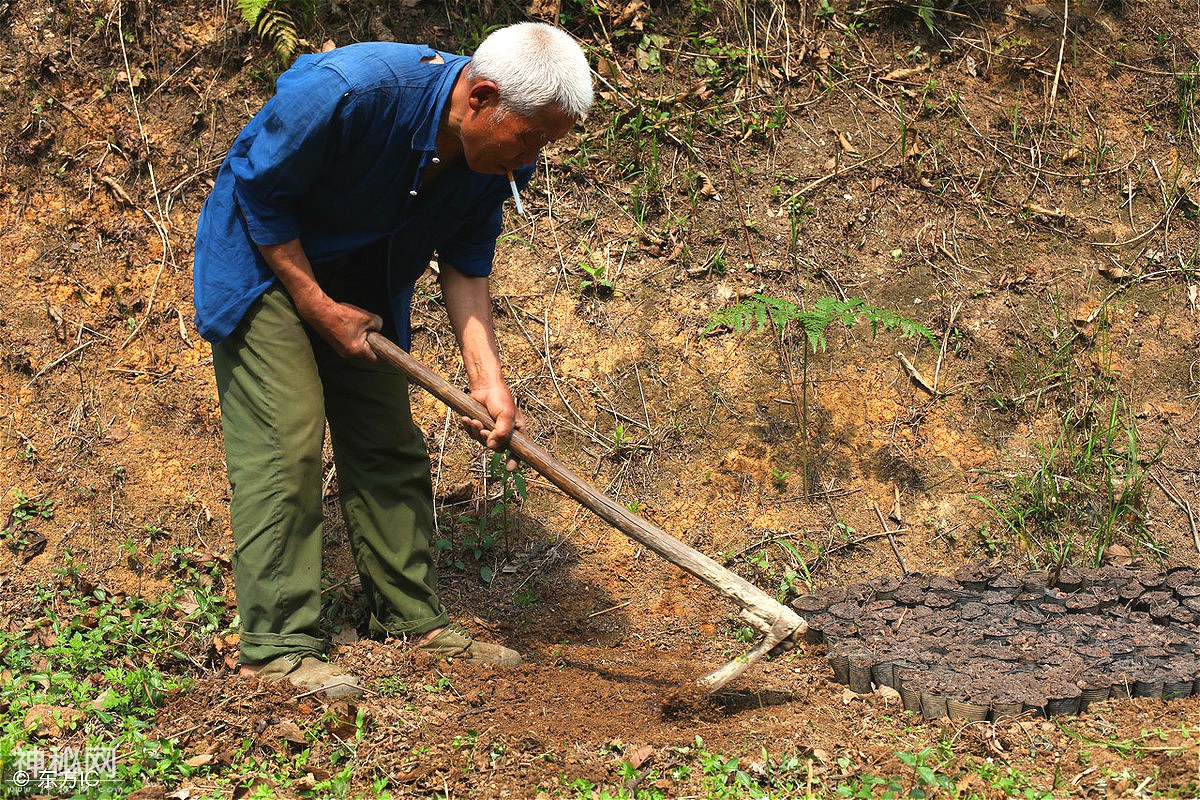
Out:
{"x": 112, "y": 656}
{"x": 72, "y": 644}
{"x": 1086, "y": 488}
{"x": 700, "y": 773}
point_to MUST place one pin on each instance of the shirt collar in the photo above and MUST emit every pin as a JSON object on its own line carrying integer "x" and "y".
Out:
{"x": 425, "y": 136}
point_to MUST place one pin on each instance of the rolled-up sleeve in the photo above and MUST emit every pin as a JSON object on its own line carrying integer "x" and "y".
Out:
{"x": 473, "y": 247}
{"x": 278, "y": 167}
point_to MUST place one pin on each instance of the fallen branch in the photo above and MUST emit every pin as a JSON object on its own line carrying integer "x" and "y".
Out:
{"x": 937, "y": 370}
{"x": 118, "y": 190}
{"x": 888, "y": 532}
{"x": 60, "y": 360}
{"x": 915, "y": 375}
{"x": 1181, "y": 504}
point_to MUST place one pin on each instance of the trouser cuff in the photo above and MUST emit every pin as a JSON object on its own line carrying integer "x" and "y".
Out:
{"x": 258, "y": 648}
{"x": 407, "y": 627}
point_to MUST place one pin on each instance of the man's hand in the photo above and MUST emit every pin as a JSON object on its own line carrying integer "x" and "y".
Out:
{"x": 498, "y": 401}
{"x": 343, "y": 326}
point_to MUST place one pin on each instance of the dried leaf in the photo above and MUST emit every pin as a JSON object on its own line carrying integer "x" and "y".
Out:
{"x": 288, "y": 731}
{"x": 116, "y": 434}
{"x": 915, "y": 374}
{"x": 1074, "y": 154}
{"x": 611, "y": 71}
{"x": 1114, "y": 272}
{"x": 341, "y": 719}
{"x": 1160, "y": 410}
{"x": 888, "y": 694}
{"x": 1045, "y": 211}
{"x": 849, "y": 696}
{"x": 137, "y": 80}
{"x": 902, "y": 74}
{"x": 633, "y": 14}
{"x": 545, "y": 9}
{"x": 1118, "y": 555}
{"x": 35, "y": 547}
{"x": 202, "y": 760}
{"x": 56, "y": 317}
{"x": 705, "y": 186}
{"x": 640, "y": 756}
{"x": 1084, "y": 317}
{"x": 847, "y": 148}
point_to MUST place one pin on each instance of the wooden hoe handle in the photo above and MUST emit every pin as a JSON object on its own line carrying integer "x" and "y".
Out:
{"x": 775, "y": 620}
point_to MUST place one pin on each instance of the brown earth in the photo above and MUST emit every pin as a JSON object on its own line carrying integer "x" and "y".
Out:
{"x": 1052, "y": 251}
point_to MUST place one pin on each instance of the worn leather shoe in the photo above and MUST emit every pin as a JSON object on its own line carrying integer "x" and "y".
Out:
{"x": 455, "y": 641}
{"x": 312, "y": 674}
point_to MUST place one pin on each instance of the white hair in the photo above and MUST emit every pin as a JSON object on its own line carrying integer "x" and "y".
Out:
{"x": 535, "y": 66}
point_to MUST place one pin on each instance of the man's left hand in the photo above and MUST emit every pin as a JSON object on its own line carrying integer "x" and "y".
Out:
{"x": 501, "y": 406}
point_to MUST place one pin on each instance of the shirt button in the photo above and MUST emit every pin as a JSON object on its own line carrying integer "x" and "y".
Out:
{"x": 413, "y": 192}
{"x": 436, "y": 160}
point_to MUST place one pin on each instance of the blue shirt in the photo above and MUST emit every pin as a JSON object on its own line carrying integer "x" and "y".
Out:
{"x": 335, "y": 159}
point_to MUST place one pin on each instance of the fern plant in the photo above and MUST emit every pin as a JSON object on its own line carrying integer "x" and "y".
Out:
{"x": 274, "y": 23}
{"x": 758, "y": 311}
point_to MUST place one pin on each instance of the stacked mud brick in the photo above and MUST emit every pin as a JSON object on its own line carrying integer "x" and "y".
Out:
{"x": 989, "y": 644}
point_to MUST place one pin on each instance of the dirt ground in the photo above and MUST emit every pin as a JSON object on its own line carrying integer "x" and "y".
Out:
{"x": 1051, "y": 249}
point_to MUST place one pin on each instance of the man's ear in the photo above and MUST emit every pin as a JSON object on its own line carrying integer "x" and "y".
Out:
{"x": 483, "y": 94}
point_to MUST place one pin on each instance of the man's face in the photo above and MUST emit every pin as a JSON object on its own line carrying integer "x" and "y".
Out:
{"x": 495, "y": 141}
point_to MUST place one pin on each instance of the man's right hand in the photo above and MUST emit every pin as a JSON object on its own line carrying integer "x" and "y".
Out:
{"x": 343, "y": 326}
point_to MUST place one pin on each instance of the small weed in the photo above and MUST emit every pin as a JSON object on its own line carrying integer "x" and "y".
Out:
{"x": 791, "y": 572}
{"x": 1087, "y": 487}
{"x": 442, "y": 684}
{"x": 276, "y": 22}
{"x": 779, "y": 478}
{"x": 18, "y": 532}
{"x": 493, "y": 521}
{"x": 115, "y": 658}
{"x": 758, "y": 310}
{"x": 391, "y": 686}
{"x": 927, "y": 777}
{"x": 465, "y": 740}
{"x": 1187, "y": 91}
{"x": 596, "y": 281}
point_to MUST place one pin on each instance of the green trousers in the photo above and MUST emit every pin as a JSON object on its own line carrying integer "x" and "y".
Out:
{"x": 278, "y": 384}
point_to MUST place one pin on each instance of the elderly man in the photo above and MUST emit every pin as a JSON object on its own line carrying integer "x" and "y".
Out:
{"x": 368, "y": 160}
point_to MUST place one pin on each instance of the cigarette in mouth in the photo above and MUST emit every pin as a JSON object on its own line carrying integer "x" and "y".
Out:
{"x": 512, "y": 184}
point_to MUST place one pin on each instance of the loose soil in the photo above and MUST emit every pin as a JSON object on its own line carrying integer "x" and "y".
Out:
{"x": 1050, "y": 249}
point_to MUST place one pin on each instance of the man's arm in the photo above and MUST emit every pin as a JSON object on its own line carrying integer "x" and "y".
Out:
{"x": 342, "y": 325}
{"x": 469, "y": 306}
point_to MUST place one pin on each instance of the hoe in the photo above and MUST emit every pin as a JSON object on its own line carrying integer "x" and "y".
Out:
{"x": 778, "y": 623}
